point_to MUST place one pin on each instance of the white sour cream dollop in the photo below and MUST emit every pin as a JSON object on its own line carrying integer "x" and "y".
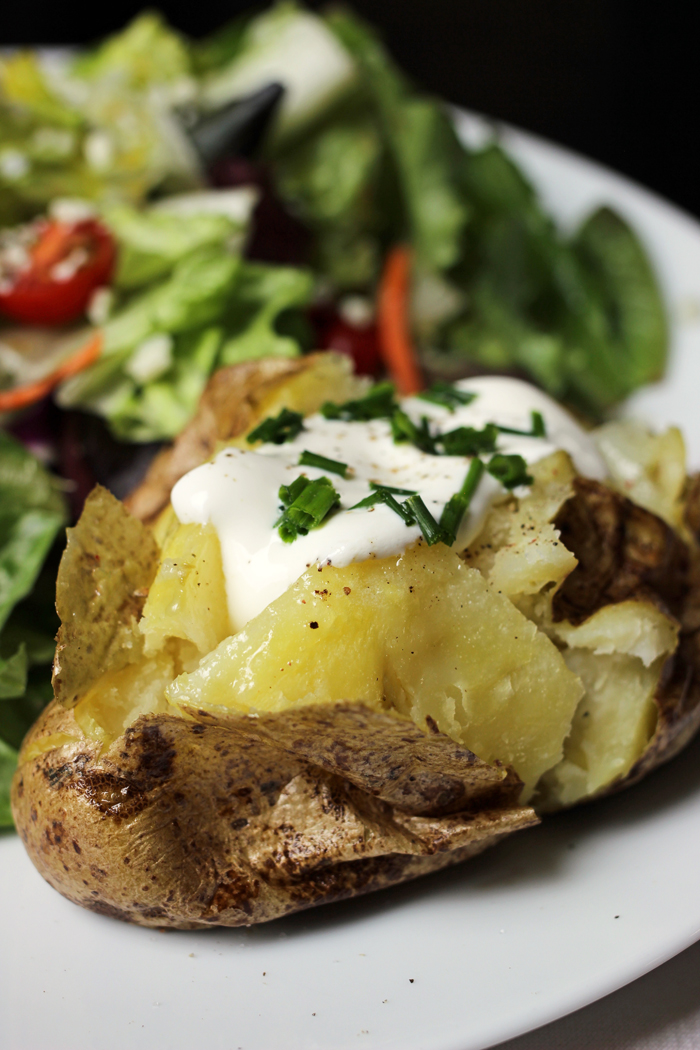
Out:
{"x": 237, "y": 492}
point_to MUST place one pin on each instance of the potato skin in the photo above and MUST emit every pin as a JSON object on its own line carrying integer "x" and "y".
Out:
{"x": 185, "y": 825}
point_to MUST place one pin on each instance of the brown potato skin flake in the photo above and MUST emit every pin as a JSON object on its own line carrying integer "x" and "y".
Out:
{"x": 186, "y": 825}
{"x": 623, "y": 552}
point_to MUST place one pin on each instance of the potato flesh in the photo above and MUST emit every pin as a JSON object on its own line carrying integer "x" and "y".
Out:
{"x": 634, "y": 628}
{"x": 187, "y": 599}
{"x": 611, "y": 728}
{"x": 422, "y": 634}
{"x": 519, "y": 550}
{"x": 648, "y": 468}
{"x": 117, "y": 699}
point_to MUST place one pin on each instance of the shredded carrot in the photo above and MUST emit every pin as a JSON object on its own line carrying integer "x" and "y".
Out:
{"x": 22, "y": 396}
{"x": 395, "y": 342}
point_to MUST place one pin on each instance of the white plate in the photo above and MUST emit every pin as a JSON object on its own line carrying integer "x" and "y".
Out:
{"x": 544, "y": 924}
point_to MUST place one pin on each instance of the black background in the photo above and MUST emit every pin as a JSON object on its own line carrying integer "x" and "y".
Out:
{"x": 615, "y": 79}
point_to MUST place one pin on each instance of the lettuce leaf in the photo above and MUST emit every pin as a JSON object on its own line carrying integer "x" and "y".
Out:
{"x": 582, "y": 314}
{"x": 32, "y": 512}
{"x": 331, "y": 179}
{"x": 165, "y": 341}
{"x": 263, "y": 296}
{"x": 8, "y": 762}
{"x": 424, "y": 149}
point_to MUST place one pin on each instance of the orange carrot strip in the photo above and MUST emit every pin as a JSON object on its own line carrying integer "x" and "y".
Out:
{"x": 395, "y": 342}
{"x": 21, "y": 396}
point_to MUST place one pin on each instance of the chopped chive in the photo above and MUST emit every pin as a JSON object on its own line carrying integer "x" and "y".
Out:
{"x": 278, "y": 429}
{"x": 288, "y": 493}
{"x": 537, "y": 429}
{"x": 448, "y": 395}
{"x": 511, "y": 471}
{"x": 311, "y": 459}
{"x": 369, "y": 501}
{"x": 378, "y": 403}
{"x": 390, "y": 488}
{"x": 404, "y": 429}
{"x": 399, "y": 508}
{"x": 312, "y": 503}
{"x": 457, "y": 506}
{"x": 466, "y": 441}
{"x": 432, "y": 533}
{"x": 383, "y": 495}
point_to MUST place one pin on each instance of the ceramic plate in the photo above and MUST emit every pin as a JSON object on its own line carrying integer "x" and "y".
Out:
{"x": 545, "y": 923}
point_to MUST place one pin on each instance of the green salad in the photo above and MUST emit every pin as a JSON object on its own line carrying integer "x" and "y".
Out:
{"x": 364, "y": 160}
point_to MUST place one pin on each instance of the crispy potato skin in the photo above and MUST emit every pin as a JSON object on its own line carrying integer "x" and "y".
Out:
{"x": 186, "y": 825}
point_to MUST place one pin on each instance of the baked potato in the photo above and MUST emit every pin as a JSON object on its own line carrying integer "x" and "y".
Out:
{"x": 189, "y": 774}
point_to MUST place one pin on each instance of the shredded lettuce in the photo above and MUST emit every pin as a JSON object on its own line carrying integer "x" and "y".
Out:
{"x": 32, "y": 512}
{"x": 331, "y": 179}
{"x": 189, "y": 304}
{"x": 263, "y": 297}
{"x": 152, "y": 241}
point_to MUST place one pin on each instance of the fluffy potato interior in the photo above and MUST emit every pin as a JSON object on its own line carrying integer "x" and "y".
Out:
{"x": 187, "y": 599}
{"x": 612, "y": 726}
{"x": 422, "y": 634}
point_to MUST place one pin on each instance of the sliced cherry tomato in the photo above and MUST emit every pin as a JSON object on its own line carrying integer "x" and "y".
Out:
{"x": 49, "y": 270}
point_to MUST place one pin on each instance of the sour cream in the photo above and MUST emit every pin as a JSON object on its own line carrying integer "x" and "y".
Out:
{"x": 237, "y": 492}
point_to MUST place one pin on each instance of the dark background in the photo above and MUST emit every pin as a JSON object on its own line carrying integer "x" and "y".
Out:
{"x": 614, "y": 79}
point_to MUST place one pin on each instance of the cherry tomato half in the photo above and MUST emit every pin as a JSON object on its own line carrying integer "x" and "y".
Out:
{"x": 49, "y": 272}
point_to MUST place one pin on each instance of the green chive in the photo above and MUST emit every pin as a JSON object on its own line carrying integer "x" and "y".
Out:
{"x": 288, "y": 493}
{"x": 446, "y": 394}
{"x": 278, "y": 429}
{"x": 383, "y": 495}
{"x": 310, "y": 459}
{"x": 313, "y": 502}
{"x": 404, "y": 429}
{"x": 457, "y": 506}
{"x": 369, "y": 501}
{"x": 466, "y": 441}
{"x": 511, "y": 471}
{"x": 378, "y": 403}
{"x": 432, "y": 533}
{"x": 389, "y": 488}
{"x": 537, "y": 429}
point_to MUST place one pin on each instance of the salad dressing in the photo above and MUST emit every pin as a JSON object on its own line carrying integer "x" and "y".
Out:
{"x": 237, "y": 492}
